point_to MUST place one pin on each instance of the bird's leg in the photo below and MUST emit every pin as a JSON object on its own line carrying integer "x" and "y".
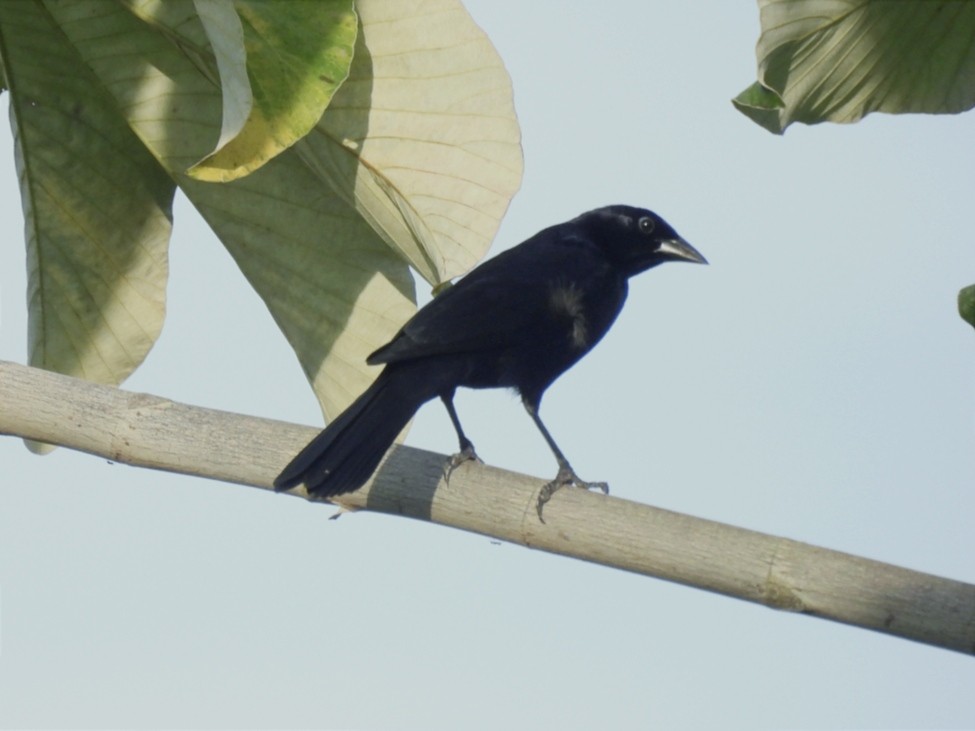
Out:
{"x": 466, "y": 452}
{"x": 566, "y": 475}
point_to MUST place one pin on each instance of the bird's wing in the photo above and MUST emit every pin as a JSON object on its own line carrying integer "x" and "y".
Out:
{"x": 475, "y": 316}
{"x": 493, "y": 307}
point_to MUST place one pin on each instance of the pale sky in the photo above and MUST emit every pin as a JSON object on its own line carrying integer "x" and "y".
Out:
{"x": 814, "y": 382}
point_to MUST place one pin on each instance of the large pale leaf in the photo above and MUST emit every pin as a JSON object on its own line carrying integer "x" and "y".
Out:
{"x": 422, "y": 138}
{"x": 297, "y": 55}
{"x": 839, "y": 60}
{"x": 97, "y": 208}
{"x": 332, "y": 284}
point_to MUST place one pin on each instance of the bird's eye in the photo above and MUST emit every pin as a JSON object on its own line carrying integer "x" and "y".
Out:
{"x": 646, "y": 225}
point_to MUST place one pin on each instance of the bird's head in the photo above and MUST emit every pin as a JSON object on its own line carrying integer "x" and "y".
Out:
{"x": 636, "y": 239}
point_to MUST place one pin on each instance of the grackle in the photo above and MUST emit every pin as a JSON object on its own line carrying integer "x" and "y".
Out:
{"x": 519, "y": 320}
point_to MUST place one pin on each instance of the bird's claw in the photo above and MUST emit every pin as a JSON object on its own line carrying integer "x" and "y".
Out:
{"x": 566, "y": 476}
{"x": 467, "y": 454}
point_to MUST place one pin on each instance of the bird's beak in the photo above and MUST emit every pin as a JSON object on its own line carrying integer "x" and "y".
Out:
{"x": 679, "y": 250}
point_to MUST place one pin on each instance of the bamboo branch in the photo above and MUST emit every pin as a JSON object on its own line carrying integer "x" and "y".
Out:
{"x": 148, "y": 431}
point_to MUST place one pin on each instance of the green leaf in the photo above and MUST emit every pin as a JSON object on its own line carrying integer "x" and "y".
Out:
{"x": 297, "y": 55}
{"x": 839, "y": 60}
{"x": 422, "y": 138}
{"x": 762, "y": 105}
{"x": 418, "y": 162}
{"x": 966, "y": 304}
{"x": 97, "y": 208}
{"x": 334, "y": 287}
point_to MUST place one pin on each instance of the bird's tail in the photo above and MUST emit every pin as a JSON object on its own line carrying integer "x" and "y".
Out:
{"x": 343, "y": 456}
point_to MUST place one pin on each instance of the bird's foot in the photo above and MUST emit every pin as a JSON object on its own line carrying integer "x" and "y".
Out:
{"x": 467, "y": 454}
{"x": 566, "y": 476}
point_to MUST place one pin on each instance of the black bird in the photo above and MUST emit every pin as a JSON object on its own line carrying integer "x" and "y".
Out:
{"x": 519, "y": 320}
